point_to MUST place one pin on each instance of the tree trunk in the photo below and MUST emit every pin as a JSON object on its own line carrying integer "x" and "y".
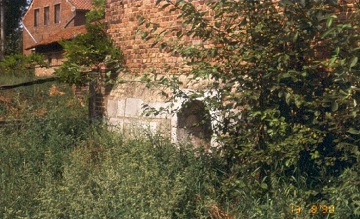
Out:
{"x": 2, "y": 30}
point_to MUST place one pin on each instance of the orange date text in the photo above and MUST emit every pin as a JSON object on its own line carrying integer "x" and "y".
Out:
{"x": 314, "y": 209}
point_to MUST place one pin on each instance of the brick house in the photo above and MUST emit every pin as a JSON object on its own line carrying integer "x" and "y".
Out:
{"x": 48, "y": 22}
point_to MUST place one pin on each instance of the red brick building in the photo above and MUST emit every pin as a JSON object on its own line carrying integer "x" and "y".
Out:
{"x": 48, "y": 22}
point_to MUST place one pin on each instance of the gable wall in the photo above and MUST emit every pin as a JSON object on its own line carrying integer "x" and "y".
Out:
{"x": 42, "y": 31}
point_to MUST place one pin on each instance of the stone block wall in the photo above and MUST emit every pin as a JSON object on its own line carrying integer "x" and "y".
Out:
{"x": 127, "y": 105}
{"x": 125, "y": 109}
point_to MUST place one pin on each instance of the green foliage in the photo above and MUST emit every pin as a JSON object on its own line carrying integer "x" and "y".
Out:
{"x": 14, "y": 11}
{"x": 20, "y": 65}
{"x": 135, "y": 179}
{"x": 90, "y": 50}
{"x": 49, "y": 128}
{"x": 57, "y": 165}
{"x": 98, "y": 12}
{"x": 285, "y": 79}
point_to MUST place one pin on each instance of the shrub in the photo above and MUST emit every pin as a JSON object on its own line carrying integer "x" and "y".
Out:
{"x": 284, "y": 78}
{"x": 90, "y": 50}
{"x": 21, "y": 65}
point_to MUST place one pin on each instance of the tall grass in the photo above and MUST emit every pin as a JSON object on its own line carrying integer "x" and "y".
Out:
{"x": 58, "y": 165}
{"x": 50, "y": 126}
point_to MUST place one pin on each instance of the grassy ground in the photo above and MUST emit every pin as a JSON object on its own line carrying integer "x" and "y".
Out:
{"x": 56, "y": 164}
{"x": 30, "y": 101}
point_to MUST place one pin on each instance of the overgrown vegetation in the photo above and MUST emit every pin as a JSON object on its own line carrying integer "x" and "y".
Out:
{"x": 285, "y": 81}
{"x": 57, "y": 165}
{"x": 293, "y": 154}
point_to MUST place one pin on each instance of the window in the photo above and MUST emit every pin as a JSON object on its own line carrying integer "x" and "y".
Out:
{"x": 57, "y": 14}
{"x": 46, "y": 15}
{"x": 49, "y": 60}
{"x": 36, "y": 17}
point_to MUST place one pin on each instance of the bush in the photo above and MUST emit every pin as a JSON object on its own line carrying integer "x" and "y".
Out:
{"x": 284, "y": 78}
{"x": 20, "y": 65}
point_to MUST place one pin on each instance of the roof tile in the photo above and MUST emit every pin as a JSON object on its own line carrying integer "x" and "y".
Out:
{"x": 65, "y": 34}
{"x": 82, "y": 4}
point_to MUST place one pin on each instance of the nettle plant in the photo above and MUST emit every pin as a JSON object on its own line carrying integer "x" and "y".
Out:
{"x": 285, "y": 79}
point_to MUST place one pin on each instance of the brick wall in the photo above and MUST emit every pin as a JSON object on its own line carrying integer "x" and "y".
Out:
{"x": 122, "y": 17}
{"x": 123, "y": 105}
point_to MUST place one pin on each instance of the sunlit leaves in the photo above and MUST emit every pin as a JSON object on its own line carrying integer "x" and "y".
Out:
{"x": 292, "y": 70}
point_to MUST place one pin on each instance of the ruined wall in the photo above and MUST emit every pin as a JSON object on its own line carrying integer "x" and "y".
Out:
{"x": 125, "y": 102}
{"x": 127, "y": 111}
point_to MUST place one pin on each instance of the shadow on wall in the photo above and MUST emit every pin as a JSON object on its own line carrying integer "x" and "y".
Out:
{"x": 99, "y": 88}
{"x": 194, "y": 124}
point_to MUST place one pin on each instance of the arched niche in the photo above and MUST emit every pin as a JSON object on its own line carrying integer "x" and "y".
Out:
{"x": 194, "y": 124}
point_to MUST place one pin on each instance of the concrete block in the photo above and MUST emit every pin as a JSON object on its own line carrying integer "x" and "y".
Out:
{"x": 133, "y": 107}
{"x": 121, "y": 107}
{"x": 111, "y": 108}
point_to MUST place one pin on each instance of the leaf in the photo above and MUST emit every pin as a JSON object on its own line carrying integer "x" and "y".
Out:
{"x": 165, "y": 5}
{"x": 353, "y": 131}
{"x": 329, "y": 22}
{"x": 353, "y": 61}
{"x": 298, "y": 102}
{"x": 334, "y": 106}
{"x": 295, "y": 36}
{"x": 287, "y": 98}
{"x": 264, "y": 186}
{"x": 327, "y": 33}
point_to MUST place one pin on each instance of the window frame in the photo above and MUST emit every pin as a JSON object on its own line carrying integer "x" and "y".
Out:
{"x": 36, "y": 17}
{"x": 46, "y": 15}
{"x": 57, "y": 13}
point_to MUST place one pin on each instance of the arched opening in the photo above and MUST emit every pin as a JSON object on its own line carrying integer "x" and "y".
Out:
{"x": 194, "y": 124}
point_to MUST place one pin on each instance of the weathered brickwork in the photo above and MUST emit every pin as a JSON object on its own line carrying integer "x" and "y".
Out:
{"x": 123, "y": 105}
{"x": 122, "y": 17}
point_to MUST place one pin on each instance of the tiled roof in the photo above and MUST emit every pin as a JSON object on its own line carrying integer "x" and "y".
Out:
{"x": 81, "y": 4}
{"x": 65, "y": 34}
